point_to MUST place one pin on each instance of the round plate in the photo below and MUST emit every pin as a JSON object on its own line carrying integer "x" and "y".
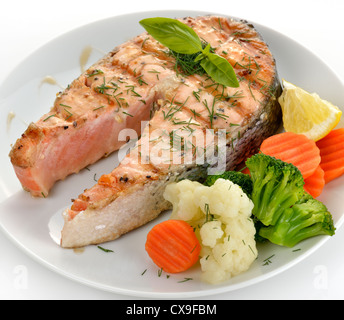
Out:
{"x": 35, "y": 224}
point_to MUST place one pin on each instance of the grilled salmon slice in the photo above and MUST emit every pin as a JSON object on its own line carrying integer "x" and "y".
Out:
{"x": 196, "y": 124}
{"x": 115, "y": 93}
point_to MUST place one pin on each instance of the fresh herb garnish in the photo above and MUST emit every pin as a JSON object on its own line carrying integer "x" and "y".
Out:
{"x": 103, "y": 249}
{"x": 186, "y": 64}
{"x": 128, "y": 114}
{"x": 94, "y": 73}
{"x": 173, "y": 34}
{"x": 185, "y": 279}
{"x": 98, "y": 108}
{"x": 47, "y": 118}
{"x": 64, "y": 105}
{"x": 182, "y": 39}
{"x": 267, "y": 261}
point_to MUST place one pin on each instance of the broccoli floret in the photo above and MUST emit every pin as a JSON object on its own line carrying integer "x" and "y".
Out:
{"x": 277, "y": 185}
{"x": 242, "y": 180}
{"x": 306, "y": 218}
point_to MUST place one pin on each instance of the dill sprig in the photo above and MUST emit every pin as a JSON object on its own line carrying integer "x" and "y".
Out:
{"x": 185, "y": 63}
{"x": 103, "y": 249}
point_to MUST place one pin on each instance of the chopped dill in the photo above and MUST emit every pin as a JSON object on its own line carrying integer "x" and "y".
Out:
{"x": 128, "y": 114}
{"x": 98, "y": 108}
{"x": 94, "y": 73}
{"x": 185, "y": 63}
{"x": 64, "y": 105}
{"x": 103, "y": 249}
{"x": 185, "y": 279}
{"x": 193, "y": 248}
{"x": 69, "y": 113}
{"x": 141, "y": 81}
{"x": 47, "y": 118}
{"x": 208, "y": 215}
{"x": 267, "y": 261}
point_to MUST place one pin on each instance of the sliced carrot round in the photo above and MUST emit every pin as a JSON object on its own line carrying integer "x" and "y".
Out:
{"x": 332, "y": 154}
{"x": 314, "y": 184}
{"x": 173, "y": 246}
{"x": 293, "y": 148}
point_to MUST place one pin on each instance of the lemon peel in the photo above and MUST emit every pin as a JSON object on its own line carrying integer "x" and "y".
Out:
{"x": 307, "y": 113}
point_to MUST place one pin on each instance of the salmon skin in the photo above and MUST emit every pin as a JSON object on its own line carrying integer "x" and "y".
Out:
{"x": 186, "y": 111}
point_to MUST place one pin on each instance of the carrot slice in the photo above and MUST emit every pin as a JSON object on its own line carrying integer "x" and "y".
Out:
{"x": 332, "y": 154}
{"x": 293, "y": 148}
{"x": 314, "y": 184}
{"x": 173, "y": 246}
{"x": 246, "y": 170}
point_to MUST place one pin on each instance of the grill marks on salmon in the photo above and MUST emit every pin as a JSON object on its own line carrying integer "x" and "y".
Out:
{"x": 115, "y": 93}
{"x": 183, "y": 110}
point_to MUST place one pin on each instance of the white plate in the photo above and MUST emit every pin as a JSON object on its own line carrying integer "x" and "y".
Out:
{"x": 35, "y": 224}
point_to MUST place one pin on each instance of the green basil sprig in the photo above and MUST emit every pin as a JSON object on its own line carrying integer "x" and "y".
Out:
{"x": 180, "y": 38}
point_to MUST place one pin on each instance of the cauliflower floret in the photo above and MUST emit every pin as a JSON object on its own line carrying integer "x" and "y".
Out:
{"x": 220, "y": 215}
{"x": 212, "y": 271}
{"x": 235, "y": 252}
{"x": 225, "y": 198}
{"x": 181, "y": 195}
{"x": 211, "y": 232}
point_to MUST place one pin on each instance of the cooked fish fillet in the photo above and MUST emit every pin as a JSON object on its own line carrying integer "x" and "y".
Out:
{"x": 108, "y": 97}
{"x": 186, "y": 111}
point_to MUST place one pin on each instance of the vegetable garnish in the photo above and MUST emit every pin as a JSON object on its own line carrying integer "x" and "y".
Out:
{"x": 221, "y": 217}
{"x": 305, "y": 219}
{"x": 173, "y": 246}
{"x": 332, "y": 154}
{"x": 315, "y": 184}
{"x": 293, "y": 148}
{"x": 182, "y": 39}
{"x": 277, "y": 185}
{"x": 319, "y": 162}
{"x": 239, "y": 178}
{"x": 288, "y": 214}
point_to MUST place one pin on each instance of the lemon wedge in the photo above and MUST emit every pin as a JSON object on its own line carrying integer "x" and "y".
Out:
{"x": 306, "y": 113}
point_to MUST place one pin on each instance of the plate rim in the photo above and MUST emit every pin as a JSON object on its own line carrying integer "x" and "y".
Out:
{"x": 187, "y": 294}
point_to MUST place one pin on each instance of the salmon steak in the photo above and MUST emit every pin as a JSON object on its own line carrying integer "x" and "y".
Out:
{"x": 107, "y": 98}
{"x": 195, "y": 126}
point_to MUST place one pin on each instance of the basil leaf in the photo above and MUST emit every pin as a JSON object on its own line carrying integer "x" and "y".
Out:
{"x": 203, "y": 54}
{"x": 173, "y": 34}
{"x": 220, "y": 70}
{"x": 182, "y": 39}
{"x": 200, "y": 57}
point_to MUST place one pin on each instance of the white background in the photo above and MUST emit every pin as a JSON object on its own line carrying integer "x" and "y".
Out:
{"x": 317, "y": 25}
